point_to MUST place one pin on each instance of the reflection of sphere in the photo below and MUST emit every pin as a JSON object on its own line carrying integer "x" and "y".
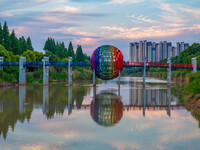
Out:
{"x": 106, "y": 109}
{"x": 107, "y": 61}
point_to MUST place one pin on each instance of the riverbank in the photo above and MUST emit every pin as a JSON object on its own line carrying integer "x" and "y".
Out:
{"x": 55, "y": 75}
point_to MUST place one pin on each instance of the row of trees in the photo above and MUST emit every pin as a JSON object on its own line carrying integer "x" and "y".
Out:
{"x": 59, "y": 49}
{"x": 22, "y": 47}
{"x": 185, "y": 57}
{"x": 12, "y": 43}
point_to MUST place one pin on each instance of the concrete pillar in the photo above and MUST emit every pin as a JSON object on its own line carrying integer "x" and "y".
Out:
{"x": 45, "y": 71}
{"x": 69, "y": 71}
{"x": 194, "y": 64}
{"x": 169, "y": 72}
{"x": 1, "y": 63}
{"x": 144, "y": 101}
{"x": 94, "y": 78}
{"x": 69, "y": 100}
{"x": 45, "y": 99}
{"x": 22, "y": 96}
{"x": 169, "y": 102}
{"x": 144, "y": 72}
{"x": 22, "y": 71}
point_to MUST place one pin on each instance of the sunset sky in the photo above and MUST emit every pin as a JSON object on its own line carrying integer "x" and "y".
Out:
{"x": 92, "y": 23}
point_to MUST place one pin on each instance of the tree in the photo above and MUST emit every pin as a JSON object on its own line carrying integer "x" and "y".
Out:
{"x": 70, "y": 50}
{"x": 6, "y": 37}
{"x": 4, "y": 53}
{"x": 79, "y": 54}
{"x": 14, "y": 43}
{"x": 29, "y": 44}
{"x": 30, "y": 56}
{"x": 52, "y": 57}
{"x": 50, "y": 45}
{"x": 38, "y": 55}
{"x": 1, "y": 34}
{"x": 23, "y": 45}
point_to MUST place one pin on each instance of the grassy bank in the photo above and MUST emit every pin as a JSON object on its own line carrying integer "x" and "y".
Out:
{"x": 56, "y": 74}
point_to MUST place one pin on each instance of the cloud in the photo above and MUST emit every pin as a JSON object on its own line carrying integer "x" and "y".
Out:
{"x": 88, "y": 1}
{"x": 148, "y": 32}
{"x": 141, "y": 19}
{"x": 179, "y": 13}
{"x": 68, "y": 9}
{"x": 125, "y": 145}
{"x": 71, "y": 30}
{"x": 124, "y": 1}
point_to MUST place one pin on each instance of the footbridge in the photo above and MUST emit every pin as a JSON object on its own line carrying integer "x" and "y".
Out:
{"x": 45, "y": 63}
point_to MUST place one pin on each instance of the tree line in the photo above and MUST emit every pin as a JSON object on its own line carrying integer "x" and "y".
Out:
{"x": 56, "y": 51}
{"x": 59, "y": 49}
{"x": 12, "y": 43}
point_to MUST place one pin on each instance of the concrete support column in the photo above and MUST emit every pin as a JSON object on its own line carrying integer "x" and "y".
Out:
{"x": 45, "y": 71}
{"x": 119, "y": 77}
{"x": 69, "y": 100}
{"x": 1, "y": 63}
{"x": 69, "y": 71}
{"x": 169, "y": 102}
{"x": 94, "y": 78}
{"x": 22, "y": 71}
{"x": 22, "y": 96}
{"x": 194, "y": 64}
{"x": 45, "y": 99}
{"x": 169, "y": 72}
{"x": 144, "y": 72}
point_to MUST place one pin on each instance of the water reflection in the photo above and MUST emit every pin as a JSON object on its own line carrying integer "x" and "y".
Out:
{"x": 152, "y": 98}
{"x": 45, "y": 99}
{"x": 106, "y": 109}
{"x": 17, "y": 104}
{"x": 22, "y": 92}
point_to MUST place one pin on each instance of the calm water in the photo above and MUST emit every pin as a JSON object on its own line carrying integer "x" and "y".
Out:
{"x": 106, "y": 117}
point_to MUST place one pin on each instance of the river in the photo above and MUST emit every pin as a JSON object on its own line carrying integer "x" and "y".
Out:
{"x": 107, "y": 117}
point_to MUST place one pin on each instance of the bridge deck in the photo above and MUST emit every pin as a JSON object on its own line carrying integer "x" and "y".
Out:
{"x": 87, "y": 64}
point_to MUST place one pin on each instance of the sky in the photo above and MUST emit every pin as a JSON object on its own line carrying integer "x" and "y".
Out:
{"x": 92, "y": 23}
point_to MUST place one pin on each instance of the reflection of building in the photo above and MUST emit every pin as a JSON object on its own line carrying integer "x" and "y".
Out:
{"x": 106, "y": 109}
{"x": 154, "y": 97}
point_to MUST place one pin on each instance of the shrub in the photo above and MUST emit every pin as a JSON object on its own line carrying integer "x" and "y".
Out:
{"x": 38, "y": 74}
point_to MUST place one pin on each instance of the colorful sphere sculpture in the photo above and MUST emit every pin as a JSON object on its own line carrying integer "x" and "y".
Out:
{"x": 107, "y": 61}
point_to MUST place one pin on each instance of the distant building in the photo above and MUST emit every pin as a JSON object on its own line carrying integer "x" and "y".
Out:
{"x": 154, "y": 52}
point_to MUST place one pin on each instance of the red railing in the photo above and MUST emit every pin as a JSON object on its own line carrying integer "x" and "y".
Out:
{"x": 157, "y": 64}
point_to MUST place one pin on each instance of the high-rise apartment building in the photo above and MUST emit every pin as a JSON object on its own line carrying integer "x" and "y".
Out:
{"x": 154, "y": 52}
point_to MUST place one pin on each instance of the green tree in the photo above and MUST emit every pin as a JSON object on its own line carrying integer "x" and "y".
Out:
{"x": 50, "y": 45}
{"x": 29, "y": 44}
{"x": 23, "y": 45}
{"x": 30, "y": 56}
{"x": 79, "y": 54}
{"x": 6, "y": 37}
{"x": 4, "y": 53}
{"x": 52, "y": 57}
{"x": 1, "y": 34}
{"x": 71, "y": 50}
{"x": 14, "y": 43}
{"x": 38, "y": 55}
